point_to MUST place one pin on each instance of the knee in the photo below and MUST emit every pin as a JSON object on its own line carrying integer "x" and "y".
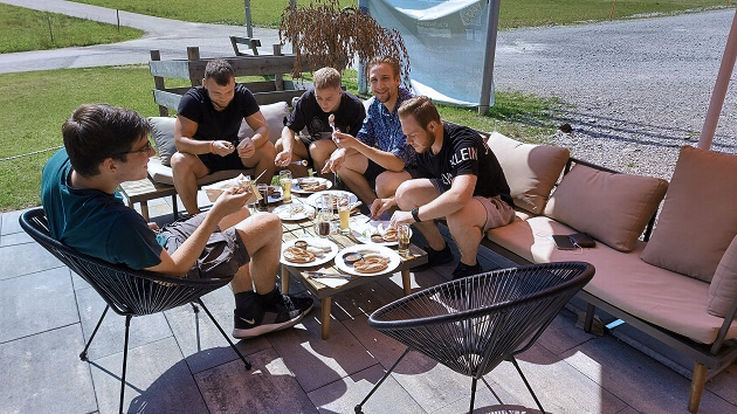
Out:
{"x": 384, "y": 186}
{"x": 460, "y": 222}
{"x": 271, "y": 222}
{"x": 180, "y": 161}
{"x": 403, "y": 196}
{"x": 269, "y": 150}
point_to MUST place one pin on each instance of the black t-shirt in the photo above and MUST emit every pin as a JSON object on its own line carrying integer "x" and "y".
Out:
{"x": 211, "y": 124}
{"x": 307, "y": 113}
{"x": 465, "y": 152}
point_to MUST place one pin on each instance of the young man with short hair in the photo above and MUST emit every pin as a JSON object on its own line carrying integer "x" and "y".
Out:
{"x": 312, "y": 112}
{"x": 105, "y": 146}
{"x": 372, "y": 163}
{"x": 457, "y": 177}
{"x": 206, "y": 133}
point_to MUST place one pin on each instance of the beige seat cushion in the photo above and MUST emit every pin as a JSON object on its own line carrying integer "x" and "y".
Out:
{"x": 659, "y": 296}
{"x": 162, "y": 174}
{"x": 162, "y": 131}
{"x": 699, "y": 217}
{"x": 723, "y": 287}
{"x": 613, "y": 208}
{"x": 530, "y": 170}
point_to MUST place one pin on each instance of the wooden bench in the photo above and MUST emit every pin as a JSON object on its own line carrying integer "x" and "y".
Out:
{"x": 253, "y": 44}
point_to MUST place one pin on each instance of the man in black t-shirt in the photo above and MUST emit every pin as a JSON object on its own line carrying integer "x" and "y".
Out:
{"x": 456, "y": 176}
{"x": 312, "y": 113}
{"x": 206, "y": 133}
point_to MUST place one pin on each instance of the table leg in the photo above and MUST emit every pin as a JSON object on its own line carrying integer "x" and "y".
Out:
{"x": 406, "y": 282}
{"x": 144, "y": 210}
{"x": 284, "y": 280}
{"x": 325, "y": 317}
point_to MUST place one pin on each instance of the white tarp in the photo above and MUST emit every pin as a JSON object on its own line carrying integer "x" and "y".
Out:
{"x": 446, "y": 40}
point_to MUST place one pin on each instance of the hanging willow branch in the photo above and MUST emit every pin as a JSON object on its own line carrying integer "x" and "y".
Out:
{"x": 322, "y": 34}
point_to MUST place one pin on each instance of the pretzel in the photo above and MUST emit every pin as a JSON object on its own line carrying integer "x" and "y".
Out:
{"x": 298, "y": 255}
{"x": 390, "y": 235}
{"x": 371, "y": 264}
{"x": 312, "y": 185}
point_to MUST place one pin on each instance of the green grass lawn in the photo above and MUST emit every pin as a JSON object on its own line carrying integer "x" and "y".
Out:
{"x": 24, "y": 29}
{"x": 41, "y": 101}
{"x": 512, "y": 13}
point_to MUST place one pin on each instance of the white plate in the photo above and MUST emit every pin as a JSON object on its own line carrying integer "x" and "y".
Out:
{"x": 297, "y": 189}
{"x": 315, "y": 199}
{"x": 363, "y": 231}
{"x": 284, "y": 211}
{"x": 394, "y": 258}
{"x": 274, "y": 200}
{"x": 313, "y": 241}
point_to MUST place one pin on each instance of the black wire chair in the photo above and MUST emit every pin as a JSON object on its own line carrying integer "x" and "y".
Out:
{"x": 128, "y": 292}
{"x": 473, "y": 324}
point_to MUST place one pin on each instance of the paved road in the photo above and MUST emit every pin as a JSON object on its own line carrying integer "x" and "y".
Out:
{"x": 171, "y": 37}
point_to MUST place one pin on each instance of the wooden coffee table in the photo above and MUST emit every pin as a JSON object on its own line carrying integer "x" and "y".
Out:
{"x": 306, "y": 228}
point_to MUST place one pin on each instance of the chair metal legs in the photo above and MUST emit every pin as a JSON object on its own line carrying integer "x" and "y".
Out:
{"x": 232, "y": 345}
{"x": 527, "y": 384}
{"x": 83, "y": 355}
{"x": 357, "y": 409}
{"x": 125, "y": 360}
{"x": 473, "y": 394}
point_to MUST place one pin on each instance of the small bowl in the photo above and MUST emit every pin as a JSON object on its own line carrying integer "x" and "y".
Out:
{"x": 377, "y": 238}
{"x": 351, "y": 257}
{"x": 301, "y": 244}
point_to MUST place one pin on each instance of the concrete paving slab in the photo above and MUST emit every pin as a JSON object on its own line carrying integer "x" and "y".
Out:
{"x": 43, "y": 374}
{"x": 342, "y": 396}
{"x": 78, "y": 282}
{"x": 109, "y": 338}
{"x": 23, "y": 259}
{"x": 269, "y": 387}
{"x": 36, "y": 303}
{"x": 9, "y": 222}
{"x": 212, "y": 349}
{"x": 562, "y": 334}
{"x": 317, "y": 362}
{"x": 362, "y": 300}
{"x": 15, "y": 238}
{"x": 157, "y": 379}
{"x": 723, "y": 384}
{"x": 385, "y": 349}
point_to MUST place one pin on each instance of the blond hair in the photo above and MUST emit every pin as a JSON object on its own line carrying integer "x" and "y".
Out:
{"x": 421, "y": 108}
{"x": 326, "y": 78}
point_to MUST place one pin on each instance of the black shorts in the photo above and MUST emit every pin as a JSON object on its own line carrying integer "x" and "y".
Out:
{"x": 223, "y": 255}
{"x": 214, "y": 162}
{"x": 372, "y": 171}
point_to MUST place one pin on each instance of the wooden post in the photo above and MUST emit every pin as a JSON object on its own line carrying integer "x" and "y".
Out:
{"x": 697, "y": 387}
{"x": 193, "y": 53}
{"x": 159, "y": 83}
{"x": 278, "y": 78}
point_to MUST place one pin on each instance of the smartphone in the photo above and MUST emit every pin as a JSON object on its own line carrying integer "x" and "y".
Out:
{"x": 563, "y": 242}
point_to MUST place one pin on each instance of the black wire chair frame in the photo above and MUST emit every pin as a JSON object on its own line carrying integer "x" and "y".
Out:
{"x": 473, "y": 324}
{"x": 128, "y": 292}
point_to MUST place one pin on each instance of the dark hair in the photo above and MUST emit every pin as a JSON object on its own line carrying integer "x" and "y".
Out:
{"x": 389, "y": 60}
{"x": 421, "y": 108}
{"x": 98, "y": 131}
{"x": 220, "y": 71}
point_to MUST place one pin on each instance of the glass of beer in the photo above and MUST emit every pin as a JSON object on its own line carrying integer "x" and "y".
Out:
{"x": 263, "y": 190}
{"x": 344, "y": 212}
{"x": 403, "y": 236}
{"x": 285, "y": 181}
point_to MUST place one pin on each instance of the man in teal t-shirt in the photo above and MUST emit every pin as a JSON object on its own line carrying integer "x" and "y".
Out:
{"x": 105, "y": 146}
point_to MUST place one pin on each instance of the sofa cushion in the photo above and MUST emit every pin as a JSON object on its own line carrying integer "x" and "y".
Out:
{"x": 162, "y": 174}
{"x": 530, "y": 170}
{"x": 611, "y": 207}
{"x": 162, "y": 131}
{"x": 699, "y": 219}
{"x": 274, "y": 115}
{"x": 657, "y": 295}
{"x": 723, "y": 287}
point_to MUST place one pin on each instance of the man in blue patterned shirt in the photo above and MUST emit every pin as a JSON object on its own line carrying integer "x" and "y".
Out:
{"x": 376, "y": 158}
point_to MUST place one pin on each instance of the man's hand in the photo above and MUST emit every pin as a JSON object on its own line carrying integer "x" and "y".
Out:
{"x": 246, "y": 148}
{"x": 153, "y": 226}
{"x": 221, "y": 148}
{"x": 335, "y": 161}
{"x": 283, "y": 158}
{"x": 230, "y": 201}
{"x": 401, "y": 217}
{"x": 343, "y": 140}
{"x": 380, "y": 205}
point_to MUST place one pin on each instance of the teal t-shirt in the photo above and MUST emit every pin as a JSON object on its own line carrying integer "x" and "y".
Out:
{"x": 94, "y": 222}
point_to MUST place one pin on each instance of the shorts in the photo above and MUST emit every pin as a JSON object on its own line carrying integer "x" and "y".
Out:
{"x": 372, "y": 171}
{"x": 498, "y": 212}
{"x": 223, "y": 255}
{"x": 214, "y": 162}
{"x": 306, "y": 141}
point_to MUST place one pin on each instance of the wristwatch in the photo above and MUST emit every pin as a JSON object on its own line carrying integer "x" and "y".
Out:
{"x": 416, "y": 214}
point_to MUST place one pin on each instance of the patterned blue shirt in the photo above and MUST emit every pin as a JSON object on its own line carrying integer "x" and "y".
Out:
{"x": 381, "y": 129}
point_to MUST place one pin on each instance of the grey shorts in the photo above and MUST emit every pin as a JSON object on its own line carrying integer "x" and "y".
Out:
{"x": 223, "y": 255}
{"x": 498, "y": 212}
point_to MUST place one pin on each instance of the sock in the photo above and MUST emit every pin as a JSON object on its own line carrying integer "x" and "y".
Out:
{"x": 245, "y": 301}
{"x": 271, "y": 297}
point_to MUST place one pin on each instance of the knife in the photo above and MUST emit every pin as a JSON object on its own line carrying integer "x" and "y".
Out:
{"x": 317, "y": 275}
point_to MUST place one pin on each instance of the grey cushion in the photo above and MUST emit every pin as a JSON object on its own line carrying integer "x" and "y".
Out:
{"x": 723, "y": 287}
{"x": 162, "y": 131}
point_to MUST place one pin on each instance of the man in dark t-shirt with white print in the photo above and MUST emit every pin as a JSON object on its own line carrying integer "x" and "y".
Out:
{"x": 457, "y": 177}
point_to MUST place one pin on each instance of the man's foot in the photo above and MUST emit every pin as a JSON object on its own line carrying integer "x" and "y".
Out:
{"x": 464, "y": 270}
{"x": 436, "y": 258}
{"x": 283, "y": 313}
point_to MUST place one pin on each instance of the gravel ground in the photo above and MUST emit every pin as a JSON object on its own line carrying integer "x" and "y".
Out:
{"x": 638, "y": 89}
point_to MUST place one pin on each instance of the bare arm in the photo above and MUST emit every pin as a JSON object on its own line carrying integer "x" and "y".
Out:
{"x": 260, "y": 128}
{"x": 386, "y": 159}
{"x": 185, "y": 128}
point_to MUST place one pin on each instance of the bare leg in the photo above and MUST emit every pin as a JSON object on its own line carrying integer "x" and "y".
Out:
{"x": 186, "y": 169}
{"x": 262, "y": 160}
{"x": 299, "y": 152}
{"x": 320, "y": 152}
{"x": 417, "y": 192}
{"x": 261, "y": 234}
{"x": 388, "y": 182}
{"x": 466, "y": 227}
{"x": 351, "y": 172}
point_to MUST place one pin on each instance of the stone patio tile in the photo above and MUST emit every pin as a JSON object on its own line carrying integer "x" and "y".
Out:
{"x": 643, "y": 383}
{"x": 15, "y": 238}
{"x": 78, "y": 282}
{"x": 9, "y": 222}
{"x": 419, "y": 281}
{"x": 628, "y": 410}
{"x": 43, "y": 374}
{"x": 36, "y": 303}
{"x": 22, "y": 259}
{"x": 385, "y": 349}
{"x": 343, "y": 395}
{"x": 562, "y": 334}
{"x": 109, "y": 338}
{"x": 559, "y": 386}
{"x": 269, "y": 387}
{"x": 725, "y": 384}
{"x": 213, "y": 349}
{"x": 317, "y": 362}
{"x": 157, "y": 379}
{"x": 362, "y": 300}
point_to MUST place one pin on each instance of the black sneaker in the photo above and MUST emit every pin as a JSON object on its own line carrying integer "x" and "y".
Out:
{"x": 287, "y": 311}
{"x": 436, "y": 258}
{"x": 464, "y": 270}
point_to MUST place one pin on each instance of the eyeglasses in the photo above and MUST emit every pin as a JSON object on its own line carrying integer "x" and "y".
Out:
{"x": 146, "y": 149}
